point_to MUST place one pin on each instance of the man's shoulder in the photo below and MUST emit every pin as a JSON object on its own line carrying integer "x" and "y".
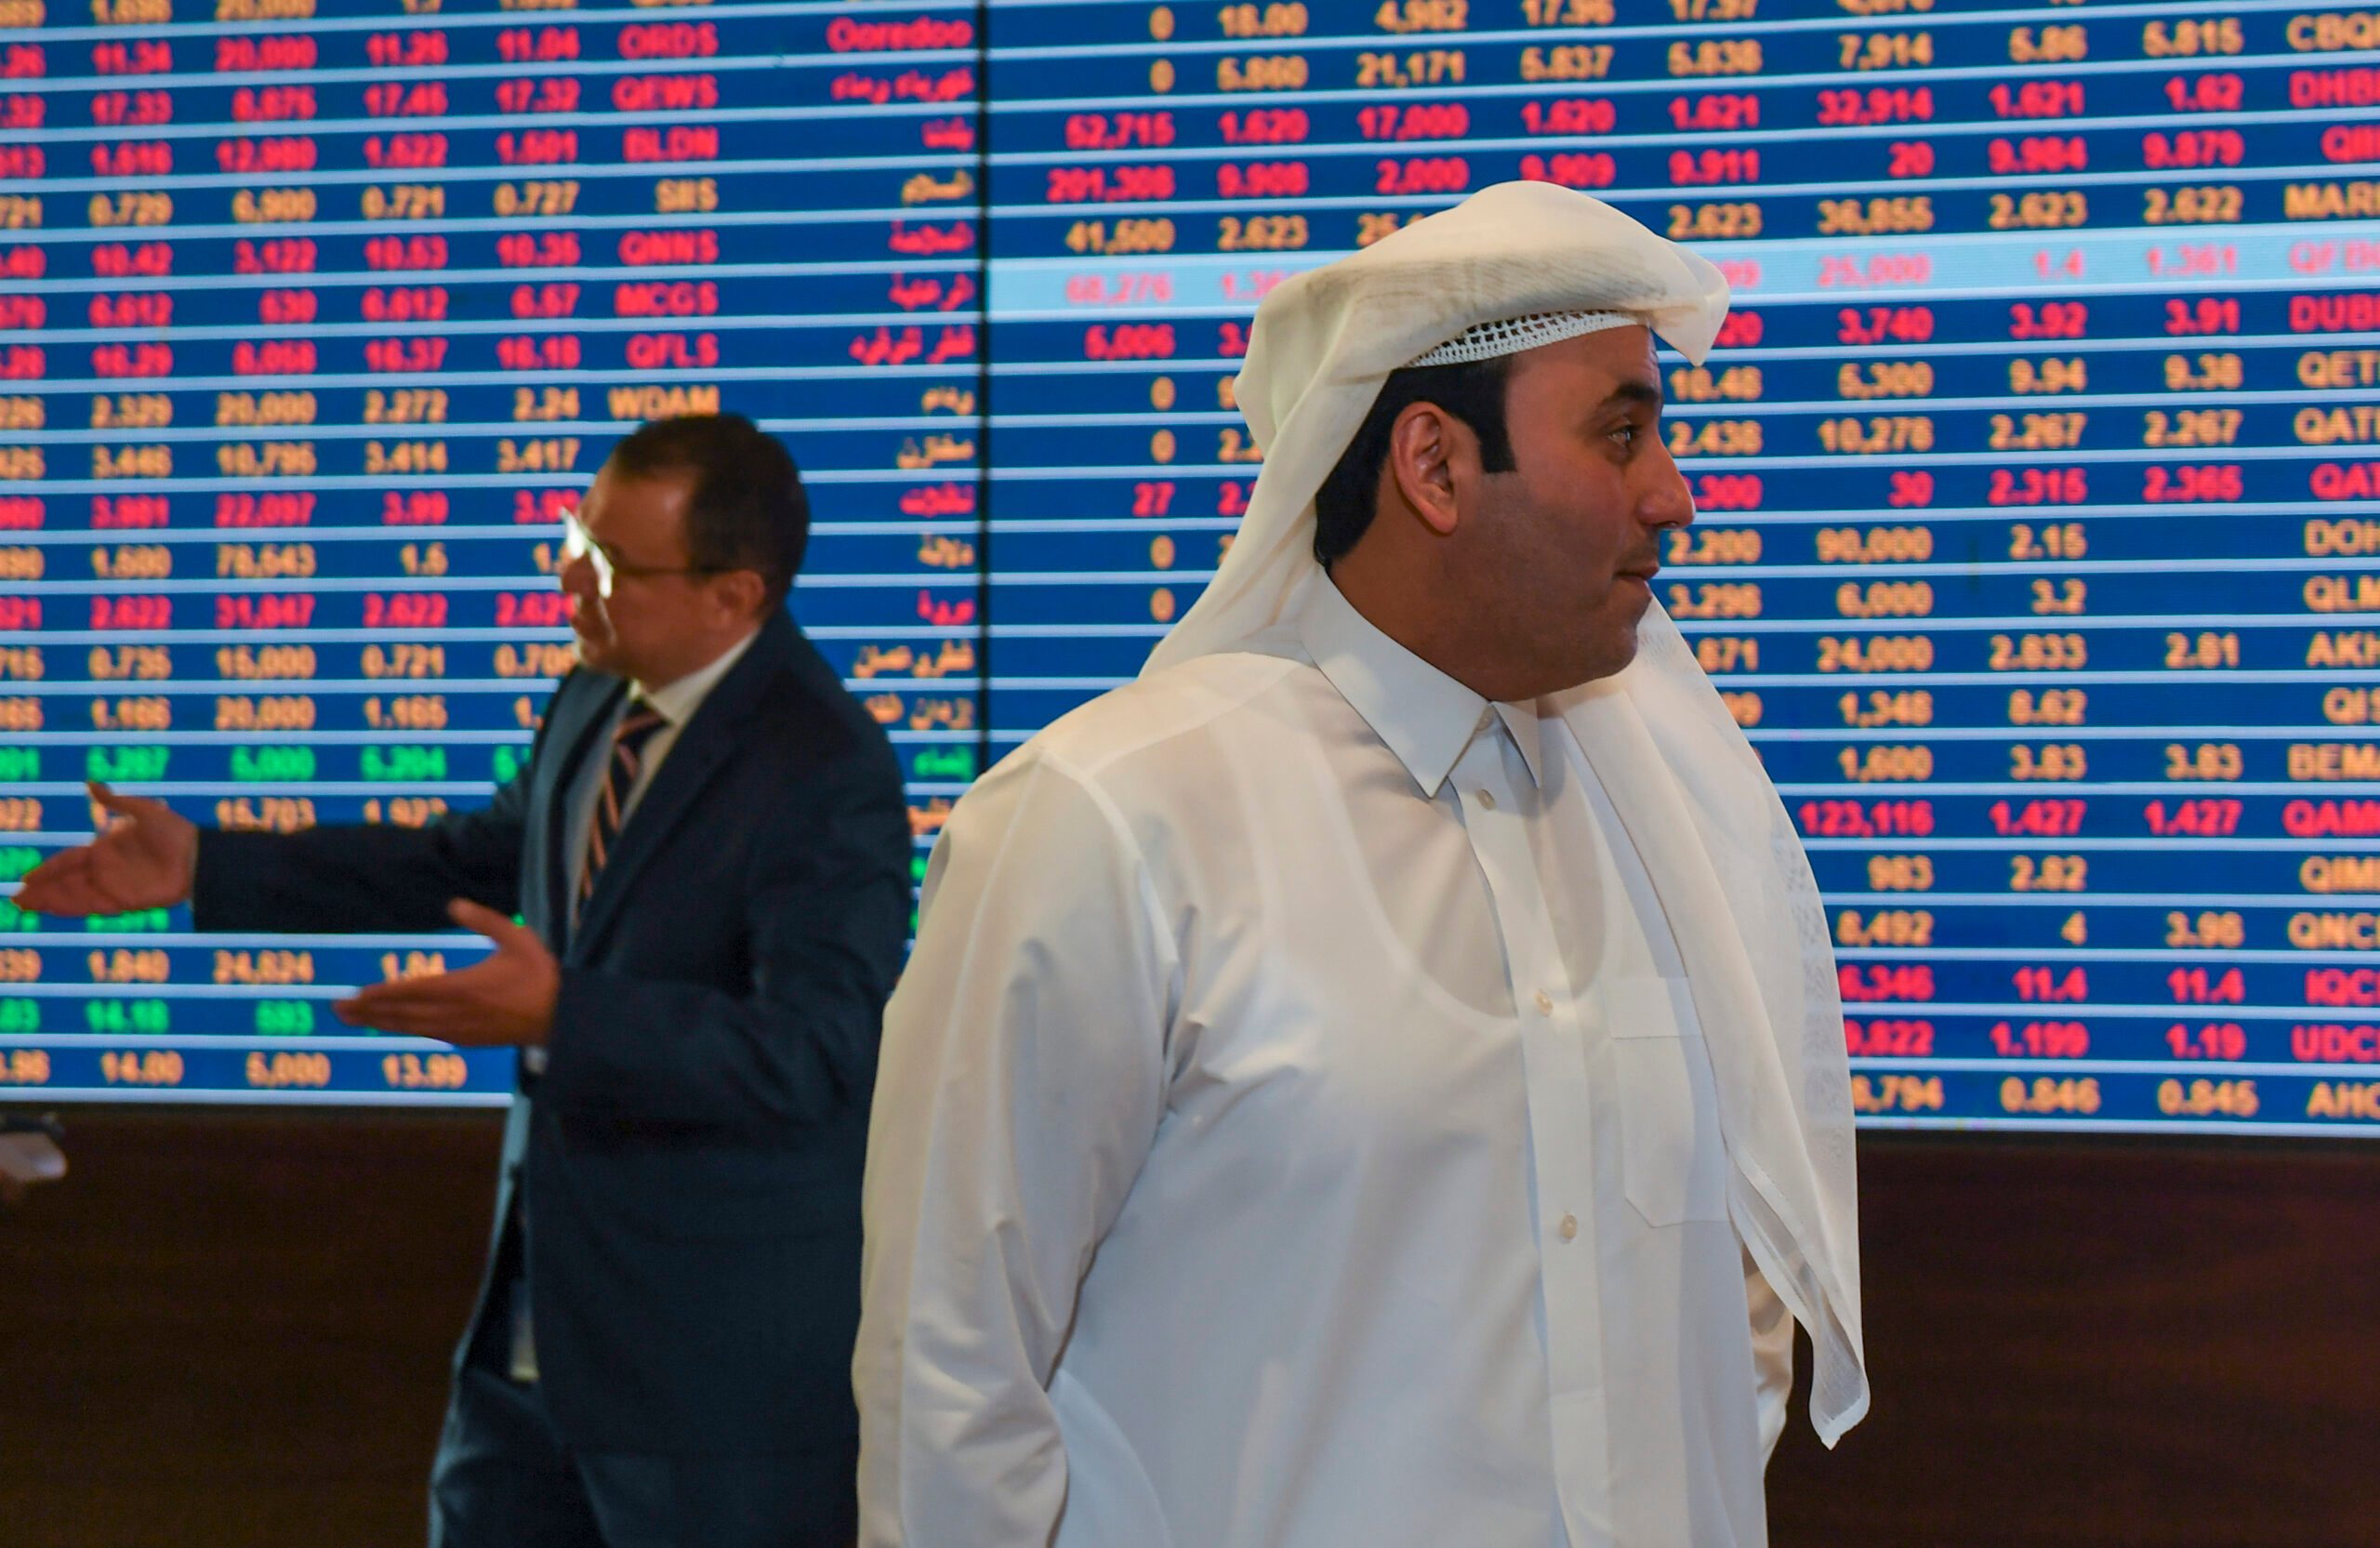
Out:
{"x": 1140, "y": 755}
{"x": 808, "y": 719}
{"x": 1128, "y": 763}
{"x": 794, "y": 718}
{"x": 1156, "y": 718}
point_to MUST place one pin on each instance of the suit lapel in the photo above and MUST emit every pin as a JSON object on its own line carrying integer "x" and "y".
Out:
{"x": 579, "y": 718}
{"x": 705, "y": 742}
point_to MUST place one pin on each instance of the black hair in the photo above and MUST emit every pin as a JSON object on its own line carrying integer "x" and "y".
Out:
{"x": 749, "y": 511}
{"x": 1470, "y": 391}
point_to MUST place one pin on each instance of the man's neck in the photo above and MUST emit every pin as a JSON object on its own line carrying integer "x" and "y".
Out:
{"x": 1420, "y": 621}
{"x": 648, "y": 688}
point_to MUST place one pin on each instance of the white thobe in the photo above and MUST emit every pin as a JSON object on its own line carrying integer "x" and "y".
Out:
{"x": 1293, "y": 1132}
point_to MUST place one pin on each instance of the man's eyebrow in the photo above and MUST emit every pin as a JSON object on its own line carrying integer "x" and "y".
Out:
{"x": 611, "y": 555}
{"x": 1643, "y": 395}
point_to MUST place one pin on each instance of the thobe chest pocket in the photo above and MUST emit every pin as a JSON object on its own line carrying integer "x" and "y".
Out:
{"x": 1673, "y": 1162}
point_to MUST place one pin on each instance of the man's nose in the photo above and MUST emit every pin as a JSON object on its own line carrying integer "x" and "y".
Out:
{"x": 1670, "y": 500}
{"x": 577, "y": 575}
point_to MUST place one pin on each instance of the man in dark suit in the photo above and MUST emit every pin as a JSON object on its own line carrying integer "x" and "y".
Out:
{"x": 710, "y": 851}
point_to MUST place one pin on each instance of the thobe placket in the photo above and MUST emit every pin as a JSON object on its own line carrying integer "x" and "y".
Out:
{"x": 1556, "y": 1025}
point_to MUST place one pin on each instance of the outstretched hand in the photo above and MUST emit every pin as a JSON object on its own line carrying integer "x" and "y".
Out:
{"x": 147, "y": 857}
{"x": 507, "y": 998}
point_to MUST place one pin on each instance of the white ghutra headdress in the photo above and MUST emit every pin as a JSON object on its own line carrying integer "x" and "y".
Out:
{"x": 1510, "y": 335}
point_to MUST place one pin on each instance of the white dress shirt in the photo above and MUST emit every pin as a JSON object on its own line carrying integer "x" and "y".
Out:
{"x": 1293, "y": 1132}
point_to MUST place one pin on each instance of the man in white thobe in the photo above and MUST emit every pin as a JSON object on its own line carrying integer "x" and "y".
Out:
{"x": 1377, "y": 1079}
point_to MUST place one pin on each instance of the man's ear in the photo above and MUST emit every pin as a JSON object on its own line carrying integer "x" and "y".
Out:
{"x": 1424, "y": 445}
{"x": 740, "y": 592}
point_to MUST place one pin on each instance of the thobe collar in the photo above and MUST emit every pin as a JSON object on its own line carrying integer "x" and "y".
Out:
{"x": 1425, "y": 717}
{"x": 677, "y": 701}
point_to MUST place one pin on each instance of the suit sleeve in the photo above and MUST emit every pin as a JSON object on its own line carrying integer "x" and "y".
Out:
{"x": 364, "y": 877}
{"x": 828, "y": 905}
{"x": 1024, "y": 1080}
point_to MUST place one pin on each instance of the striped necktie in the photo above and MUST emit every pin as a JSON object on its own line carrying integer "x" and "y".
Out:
{"x": 636, "y": 728}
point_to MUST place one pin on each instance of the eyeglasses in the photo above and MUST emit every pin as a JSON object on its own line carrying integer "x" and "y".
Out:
{"x": 578, "y": 543}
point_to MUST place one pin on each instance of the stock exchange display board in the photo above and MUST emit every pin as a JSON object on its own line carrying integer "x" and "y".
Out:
{"x": 2037, "y": 474}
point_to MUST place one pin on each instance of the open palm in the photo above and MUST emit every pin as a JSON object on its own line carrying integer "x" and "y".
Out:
{"x": 145, "y": 859}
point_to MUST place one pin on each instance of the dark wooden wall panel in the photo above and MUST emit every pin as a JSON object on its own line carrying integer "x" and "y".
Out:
{"x": 232, "y": 1328}
{"x": 226, "y": 1328}
{"x": 2108, "y": 1343}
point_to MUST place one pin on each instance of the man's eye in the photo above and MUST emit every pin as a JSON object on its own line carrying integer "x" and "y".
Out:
{"x": 1625, "y": 433}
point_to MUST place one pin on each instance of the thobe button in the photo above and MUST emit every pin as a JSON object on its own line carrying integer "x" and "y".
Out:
{"x": 1570, "y": 1227}
{"x": 1486, "y": 799}
{"x": 1544, "y": 1004}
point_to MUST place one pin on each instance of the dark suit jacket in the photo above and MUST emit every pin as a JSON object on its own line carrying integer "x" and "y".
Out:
{"x": 689, "y": 1164}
